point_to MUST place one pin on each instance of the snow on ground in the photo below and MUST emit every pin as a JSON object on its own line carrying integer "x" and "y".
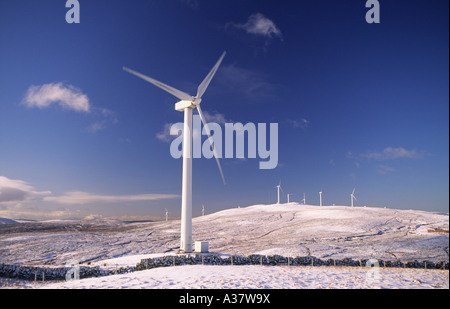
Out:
{"x": 288, "y": 229}
{"x": 263, "y": 277}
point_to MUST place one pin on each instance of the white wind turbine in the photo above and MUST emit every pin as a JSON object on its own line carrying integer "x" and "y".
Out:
{"x": 187, "y": 104}
{"x": 289, "y": 197}
{"x": 279, "y": 188}
{"x": 352, "y": 196}
{"x": 304, "y": 199}
{"x": 320, "y": 197}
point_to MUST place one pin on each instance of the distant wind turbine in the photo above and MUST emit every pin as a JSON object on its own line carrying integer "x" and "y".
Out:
{"x": 352, "y": 196}
{"x": 304, "y": 199}
{"x": 167, "y": 215}
{"x": 279, "y": 188}
{"x": 203, "y": 210}
{"x": 187, "y": 104}
{"x": 320, "y": 197}
{"x": 288, "y": 197}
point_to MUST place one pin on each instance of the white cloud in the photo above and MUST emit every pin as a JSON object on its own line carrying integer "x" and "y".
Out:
{"x": 71, "y": 98}
{"x": 259, "y": 25}
{"x": 16, "y": 191}
{"x": 66, "y": 96}
{"x": 81, "y": 198}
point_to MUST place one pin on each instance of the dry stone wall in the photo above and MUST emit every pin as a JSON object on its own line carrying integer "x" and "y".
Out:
{"x": 59, "y": 273}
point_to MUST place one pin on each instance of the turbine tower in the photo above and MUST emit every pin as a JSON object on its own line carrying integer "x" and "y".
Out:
{"x": 279, "y": 188}
{"x": 304, "y": 199}
{"x": 288, "y": 197}
{"x": 167, "y": 215}
{"x": 352, "y": 197}
{"x": 203, "y": 210}
{"x": 187, "y": 104}
{"x": 320, "y": 197}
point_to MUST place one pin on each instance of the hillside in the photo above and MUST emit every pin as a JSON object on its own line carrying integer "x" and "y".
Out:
{"x": 6, "y": 221}
{"x": 286, "y": 229}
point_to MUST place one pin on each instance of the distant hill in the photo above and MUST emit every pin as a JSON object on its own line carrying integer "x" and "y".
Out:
{"x": 6, "y": 221}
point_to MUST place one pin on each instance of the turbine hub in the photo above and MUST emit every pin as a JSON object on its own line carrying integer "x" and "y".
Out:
{"x": 197, "y": 101}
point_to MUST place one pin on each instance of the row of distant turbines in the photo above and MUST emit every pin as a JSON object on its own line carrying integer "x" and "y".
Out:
{"x": 303, "y": 201}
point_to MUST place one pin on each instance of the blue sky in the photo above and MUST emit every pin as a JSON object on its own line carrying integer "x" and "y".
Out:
{"x": 358, "y": 105}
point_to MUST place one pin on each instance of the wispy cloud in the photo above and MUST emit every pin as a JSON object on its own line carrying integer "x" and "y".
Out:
{"x": 106, "y": 117}
{"x": 385, "y": 169}
{"x": 251, "y": 84}
{"x": 81, "y": 198}
{"x": 30, "y": 211}
{"x": 19, "y": 199}
{"x": 67, "y": 96}
{"x": 259, "y": 25}
{"x": 391, "y": 153}
{"x": 164, "y": 134}
{"x": 301, "y": 123}
{"x": 216, "y": 117}
{"x": 388, "y": 154}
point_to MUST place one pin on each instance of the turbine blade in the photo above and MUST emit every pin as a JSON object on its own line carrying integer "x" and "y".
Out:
{"x": 353, "y": 191}
{"x": 205, "y": 83}
{"x": 175, "y": 92}
{"x": 211, "y": 141}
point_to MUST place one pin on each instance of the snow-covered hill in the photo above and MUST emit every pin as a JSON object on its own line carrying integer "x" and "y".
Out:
{"x": 333, "y": 231}
{"x": 287, "y": 229}
{"x": 6, "y": 221}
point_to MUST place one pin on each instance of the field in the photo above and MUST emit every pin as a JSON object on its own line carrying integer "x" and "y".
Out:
{"x": 334, "y": 232}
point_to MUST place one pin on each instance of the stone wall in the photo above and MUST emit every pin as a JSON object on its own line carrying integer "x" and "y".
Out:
{"x": 209, "y": 259}
{"x": 56, "y": 273}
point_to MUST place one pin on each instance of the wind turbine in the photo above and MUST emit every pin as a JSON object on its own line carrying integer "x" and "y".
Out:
{"x": 279, "y": 188}
{"x": 352, "y": 197}
{"x": 187, "y": 104}
{"x": 320, "y": 197}
{"x": 288, "y": 197}
{"x": 167, "y": 215}
{"x": 304, "y": 199}
{"x": 203, "y": 210}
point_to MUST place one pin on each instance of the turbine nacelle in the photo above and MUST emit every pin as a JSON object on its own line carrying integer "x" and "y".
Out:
{"x": 181, "y": 105}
